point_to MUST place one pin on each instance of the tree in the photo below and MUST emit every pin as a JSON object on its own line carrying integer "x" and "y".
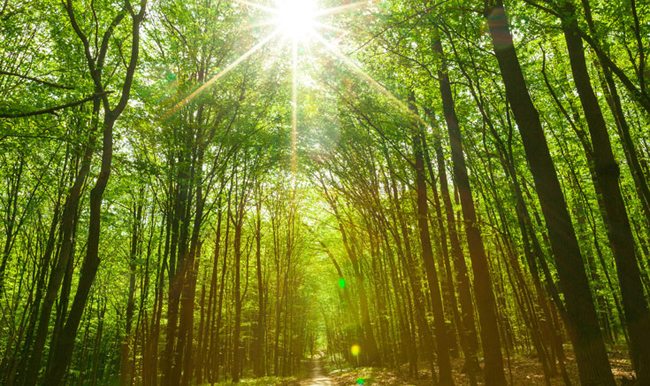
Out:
{"x": 587, "y": 339}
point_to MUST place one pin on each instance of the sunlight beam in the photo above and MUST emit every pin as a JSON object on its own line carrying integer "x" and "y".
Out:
{"x": 369, "y": 79}
{"x": 220, "y": 75}
{"x": 343, "y": 8}
{"x": 330, "y": 27}
{"x": 248, "y": 27}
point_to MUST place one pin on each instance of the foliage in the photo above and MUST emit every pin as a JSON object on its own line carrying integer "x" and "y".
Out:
{"x": 182, "y": 204}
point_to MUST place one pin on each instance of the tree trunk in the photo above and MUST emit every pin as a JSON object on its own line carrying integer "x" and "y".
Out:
{"x": 444, "y": 362}
{"x": 588, "y": 342}
{"x": 494, "y": 374}
{"x": 259, "y": 367}
{"x": 619, "y": 232}
{"x": 125, "y": 365}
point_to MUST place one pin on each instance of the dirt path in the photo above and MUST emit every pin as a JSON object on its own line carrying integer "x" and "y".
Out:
{"x": 317, "y": 378}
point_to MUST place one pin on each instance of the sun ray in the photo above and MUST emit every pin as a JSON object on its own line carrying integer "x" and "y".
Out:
{"x": 329, "y": 27}
{"x": 298, "y": 22}
{"x": 248, "y": 27}
{"x": 369, "y": 79}
{"x": 219, "y": 75}
{"x": 343, "y": 8}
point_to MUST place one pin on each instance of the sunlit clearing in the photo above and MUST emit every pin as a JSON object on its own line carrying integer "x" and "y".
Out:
{"x": 296, "y": 19}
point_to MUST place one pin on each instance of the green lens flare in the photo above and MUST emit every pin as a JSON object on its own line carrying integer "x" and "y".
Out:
{"x": 342, "y": 283}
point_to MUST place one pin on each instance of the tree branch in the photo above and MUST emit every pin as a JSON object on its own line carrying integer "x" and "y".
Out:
{"x": 51, "y": 110}
{"x": 37, "y": 80}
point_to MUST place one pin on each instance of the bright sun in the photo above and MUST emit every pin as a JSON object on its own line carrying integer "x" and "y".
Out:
{"x": 296, "y": 19}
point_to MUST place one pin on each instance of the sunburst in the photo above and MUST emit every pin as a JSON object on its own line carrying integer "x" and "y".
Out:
{"x": 297, "y": 20}
{"x": 300, "y": 22}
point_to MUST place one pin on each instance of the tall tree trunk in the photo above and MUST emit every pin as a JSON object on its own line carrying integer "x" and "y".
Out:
{"x": 125, "y": 365}
{"x": 405, "y": 254}
{"x": 588, "y": 342}
{"x": 494, "y": 374}
{"x": 442, "y": 341}
{"x": 235, "y": 371}
{"x": 637, "y": 315}
{"x": 259, "y": 366}
{"x": 65, "y": 343}
{"x": 469, "y": 334}
{"x": 66, "y": 251}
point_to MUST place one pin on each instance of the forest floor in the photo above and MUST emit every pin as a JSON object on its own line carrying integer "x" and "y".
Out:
{"x": 520, "y": 371}
{"x": 317, "y": 375}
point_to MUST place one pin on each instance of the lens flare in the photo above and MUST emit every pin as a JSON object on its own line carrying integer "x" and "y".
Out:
{"x": 355, "y": 350}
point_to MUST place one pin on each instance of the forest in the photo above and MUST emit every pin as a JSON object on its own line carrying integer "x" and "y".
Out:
{"x": 324, "y": 192}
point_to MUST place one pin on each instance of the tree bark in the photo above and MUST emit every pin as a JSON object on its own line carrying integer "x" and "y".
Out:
{"x": 494, "y": 374}
{"x": 588, "y": 342}
{"x": 442, "y": 341}
{"x": 637, "y": 315}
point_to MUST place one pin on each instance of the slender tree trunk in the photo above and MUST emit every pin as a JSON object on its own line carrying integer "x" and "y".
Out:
{"x": 494, "y": 374}
{"x": 259, "y": 367}
{"x": 235, "y": 371}
{"x": 607, "y": 172}
{"x": 405, "y": 253}
{"x": 469, "y": 334}
{"x": 10, "y": 217}
{"x": 65, "y": 254}
{"x": 447, "y": 285}
{"x": 65, "y": 343}
{"x": 589, "y": 347}
{"x": 442, "y": 341}
{"x": 125, "y": 366}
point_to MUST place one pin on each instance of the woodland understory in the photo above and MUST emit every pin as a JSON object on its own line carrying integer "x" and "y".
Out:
{"x": 319, "y": 192}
